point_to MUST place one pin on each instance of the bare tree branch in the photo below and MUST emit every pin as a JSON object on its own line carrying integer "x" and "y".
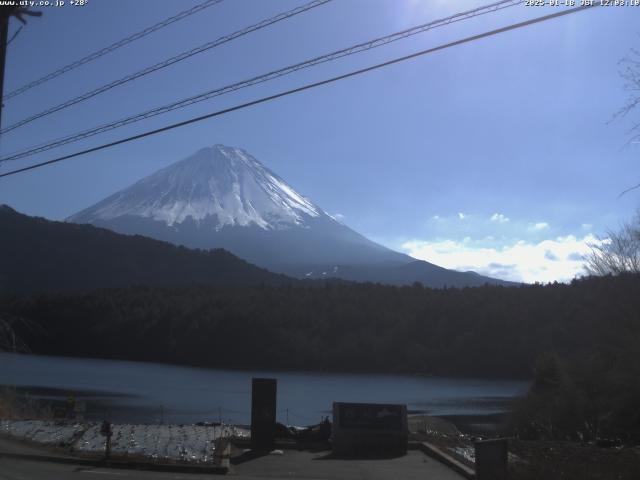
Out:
{"x": 620, "y": 253}
{"x": 630, "y": 73}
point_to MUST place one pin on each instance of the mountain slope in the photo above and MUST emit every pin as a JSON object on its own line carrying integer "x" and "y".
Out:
{"x": 41, "y": 255}
{"x": 222, "y": 197}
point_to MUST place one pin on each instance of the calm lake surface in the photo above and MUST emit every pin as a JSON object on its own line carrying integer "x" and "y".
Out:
{"x": 149, "y": 392}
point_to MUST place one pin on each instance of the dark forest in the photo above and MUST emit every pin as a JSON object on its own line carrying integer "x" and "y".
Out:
{"x": 580, "y": 342}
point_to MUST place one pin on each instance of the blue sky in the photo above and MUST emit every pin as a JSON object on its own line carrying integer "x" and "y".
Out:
{"x": 498, "y": 156}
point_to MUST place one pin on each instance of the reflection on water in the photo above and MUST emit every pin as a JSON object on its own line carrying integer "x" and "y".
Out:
{"x": 149, "y": 392}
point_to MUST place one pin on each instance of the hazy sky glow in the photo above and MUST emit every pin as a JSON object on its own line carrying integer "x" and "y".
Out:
{"x": 497, "y": 156}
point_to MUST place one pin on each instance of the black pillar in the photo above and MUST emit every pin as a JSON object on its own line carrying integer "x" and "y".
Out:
{"x": 263, "y": 413}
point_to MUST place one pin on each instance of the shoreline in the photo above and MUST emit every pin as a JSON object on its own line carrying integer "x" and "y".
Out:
{"x": 281, "y": 369}
{"x": 490, "y": 425}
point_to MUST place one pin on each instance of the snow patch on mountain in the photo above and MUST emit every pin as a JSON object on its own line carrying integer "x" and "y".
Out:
{"x": 225, "y": 182}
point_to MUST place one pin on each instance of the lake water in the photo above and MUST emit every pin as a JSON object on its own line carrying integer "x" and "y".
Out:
{"x": 149, "y": 392}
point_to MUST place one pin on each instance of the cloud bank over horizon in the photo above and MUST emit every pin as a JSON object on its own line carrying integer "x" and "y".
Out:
{"x": 499, "y": 247}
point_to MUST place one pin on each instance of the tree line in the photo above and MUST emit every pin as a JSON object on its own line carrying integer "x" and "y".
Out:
{"x": 589, "y": 328}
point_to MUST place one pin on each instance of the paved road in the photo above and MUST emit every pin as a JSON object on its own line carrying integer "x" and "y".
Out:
{"x": 8, "y": 445}
{"x": 11, "y": 469}
{"x": 291, "y": 465}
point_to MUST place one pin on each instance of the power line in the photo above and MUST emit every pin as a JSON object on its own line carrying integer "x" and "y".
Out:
{"x": 361, "y": 47}
{"x": 377, "y": 42}
{"x": 15, "y": 34}
{"x": 112, "y": 47}
{"x": 306, "y": 87}
{"x": 170, "y": 61}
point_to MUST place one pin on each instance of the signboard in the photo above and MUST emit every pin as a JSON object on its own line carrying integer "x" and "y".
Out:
{"x": 386, "y": 417}
{"x": 369, "y": 429}
{"x": 263, "y": 413}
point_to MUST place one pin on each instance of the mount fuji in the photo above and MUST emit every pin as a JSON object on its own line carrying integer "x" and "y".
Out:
{"x": 222, "y": 197}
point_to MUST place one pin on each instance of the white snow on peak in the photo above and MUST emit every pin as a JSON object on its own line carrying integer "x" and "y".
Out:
{"x": 225, "y": 182}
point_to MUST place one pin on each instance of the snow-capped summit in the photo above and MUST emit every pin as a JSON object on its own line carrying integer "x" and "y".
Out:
{"x": 222, "y": 182}
{"x": 222, "y": 197}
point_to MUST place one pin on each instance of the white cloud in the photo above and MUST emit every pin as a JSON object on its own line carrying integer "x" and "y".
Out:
{"x": 337, "y": 216}
{"x": 556, "y": 259}
{"x": 539, "y": 226}
{"x": 500, "y": 218}
{"x": 461, "y": 216}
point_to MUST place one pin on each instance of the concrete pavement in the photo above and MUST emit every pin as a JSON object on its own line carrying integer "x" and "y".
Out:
{"x": 292, "y": 464}
{"x": 320, "y": 465}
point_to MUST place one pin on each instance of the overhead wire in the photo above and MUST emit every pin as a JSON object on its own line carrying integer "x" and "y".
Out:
{"x": 167, "y": 62}
{"x": 114, "y": 46}
{"x": 309, "y": 86}
{"x": 352, "y": 50}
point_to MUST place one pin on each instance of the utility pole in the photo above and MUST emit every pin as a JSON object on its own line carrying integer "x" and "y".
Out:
{"x": 4, "y": 38}
{"x": 5, "y": 13}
